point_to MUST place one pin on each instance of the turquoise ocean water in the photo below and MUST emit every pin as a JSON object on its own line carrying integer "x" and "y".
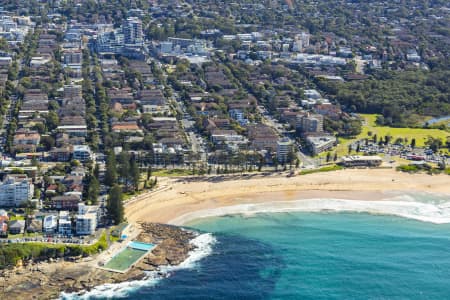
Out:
{"x": 304, "y": 255}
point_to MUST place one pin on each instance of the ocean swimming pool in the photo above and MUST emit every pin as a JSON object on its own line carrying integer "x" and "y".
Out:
{"x": 141, "y": 245}
{"x": 126, "y": 258}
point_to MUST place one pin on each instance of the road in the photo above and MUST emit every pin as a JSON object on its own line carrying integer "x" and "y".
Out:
{"x": 306, "y": 161}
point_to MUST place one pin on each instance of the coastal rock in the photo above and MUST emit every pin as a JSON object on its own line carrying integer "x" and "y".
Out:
{"x": 45, "y": 280}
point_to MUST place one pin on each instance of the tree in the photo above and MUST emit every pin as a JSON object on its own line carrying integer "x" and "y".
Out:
{"x": 434, "y": 143}
{"x": 135, "y": 173}
{"x": 93, "y": 189}
{"x": 52, "y": 120}
{"x": 48, "y": 142}
{"x": 124, "y": 167}
{"x": 60, "y": 188}
{"x": 111, "y": 171}
{"x": 275, "y": 163}
{"x": 149, "y": 172}
{"x": 115, "y": 204}
{"x": 96, "y": 171}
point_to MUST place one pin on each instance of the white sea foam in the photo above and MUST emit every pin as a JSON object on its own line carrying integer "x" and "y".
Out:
{"x": 203, "y": 247}
{"x": 432, "y": 210}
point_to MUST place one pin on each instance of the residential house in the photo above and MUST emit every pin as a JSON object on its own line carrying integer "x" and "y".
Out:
{"x": 61, "y": 154}
{"x": 17, "y": 226}
{"x": 65, "y": 202}
{"x": 35, "y": 226}
{"x": 26, "y": 141}
{"x": 125, "y": 127}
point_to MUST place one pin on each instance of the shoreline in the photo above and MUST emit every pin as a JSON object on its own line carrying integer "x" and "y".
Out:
{"x": 174, "y": 247}
{"x": 189, "y": 198}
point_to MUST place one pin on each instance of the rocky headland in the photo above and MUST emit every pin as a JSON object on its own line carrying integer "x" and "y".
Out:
{"x": 46, "y": 280}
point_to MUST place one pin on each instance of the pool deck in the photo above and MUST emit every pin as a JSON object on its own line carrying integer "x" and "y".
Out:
{"x": 131, "y": 232}
{"x": 145, "y": 253}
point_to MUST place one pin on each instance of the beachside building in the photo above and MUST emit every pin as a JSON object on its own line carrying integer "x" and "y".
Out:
{"x": 64, "y": 223}
{"x": 87, "y": 219}
{"x": 361, "y": 161}
{"x": 50, "y": 224}
{"x": 17, "y": 226}
{"x": 284, "y": 147}
{"x": 321, "y": 143}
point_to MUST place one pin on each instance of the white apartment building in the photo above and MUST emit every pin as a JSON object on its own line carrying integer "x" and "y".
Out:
{"x": 87, "y": 219}
{"x": 64, "y": 223}
{"x": 284, "y": 147}
{"x": 82, "y": 152}
{"x": 50, "y": 224}
{"x": 15, "y": 190}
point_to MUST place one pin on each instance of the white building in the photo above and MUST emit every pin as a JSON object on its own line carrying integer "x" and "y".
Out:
{"x": 87, "y": 219}
{"x": 361, "y": 161}
{"x": 301, "y": 42}
{"x": 15, "y": 190}
{"x": 284, "y": 147}
{"x": 321, "y": 143}
{"x": 239, "y": 116}
{"x": 64, "y": 223}
{"x": 50, "y": 224}
{"x": 166, "y": 47}
{"x": 82, "y": 152}
{"x": 132, "y": 31}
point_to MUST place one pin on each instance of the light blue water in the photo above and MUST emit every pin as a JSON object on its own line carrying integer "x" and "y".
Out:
{"x": 140, "y": 245}
{"x": 321, "y": 255}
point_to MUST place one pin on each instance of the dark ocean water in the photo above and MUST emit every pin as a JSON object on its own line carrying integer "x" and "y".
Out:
{"x": 308, "y": 256}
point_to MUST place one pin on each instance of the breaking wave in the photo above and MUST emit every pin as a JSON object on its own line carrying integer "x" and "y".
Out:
{"x": 203, "y": 247}
{"x": 426, "y": 208}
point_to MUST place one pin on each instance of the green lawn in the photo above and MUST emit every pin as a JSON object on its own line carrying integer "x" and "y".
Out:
{"x": 323, "y": 169}
{"x": 171, "y": 172}
{"x": 25, "y": 235}
{"x": 419, "y": 134}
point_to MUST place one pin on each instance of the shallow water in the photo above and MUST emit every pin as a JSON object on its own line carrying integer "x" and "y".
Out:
{"x": 304, "y": 255}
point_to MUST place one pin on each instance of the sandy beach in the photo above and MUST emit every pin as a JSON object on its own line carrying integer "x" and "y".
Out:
{"x": 179, "y": 197}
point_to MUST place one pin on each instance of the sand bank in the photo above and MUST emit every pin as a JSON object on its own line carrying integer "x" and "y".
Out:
{"x": 186, "y": 198}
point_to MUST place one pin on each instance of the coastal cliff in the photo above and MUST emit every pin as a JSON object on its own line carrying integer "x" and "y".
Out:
{"x": 46, "y": 280}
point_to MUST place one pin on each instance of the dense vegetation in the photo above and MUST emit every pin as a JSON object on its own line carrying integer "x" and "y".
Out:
{"x": 398, "y": 96}
{"x": 11, "y": 254}
{"x": 416, "y": 168}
